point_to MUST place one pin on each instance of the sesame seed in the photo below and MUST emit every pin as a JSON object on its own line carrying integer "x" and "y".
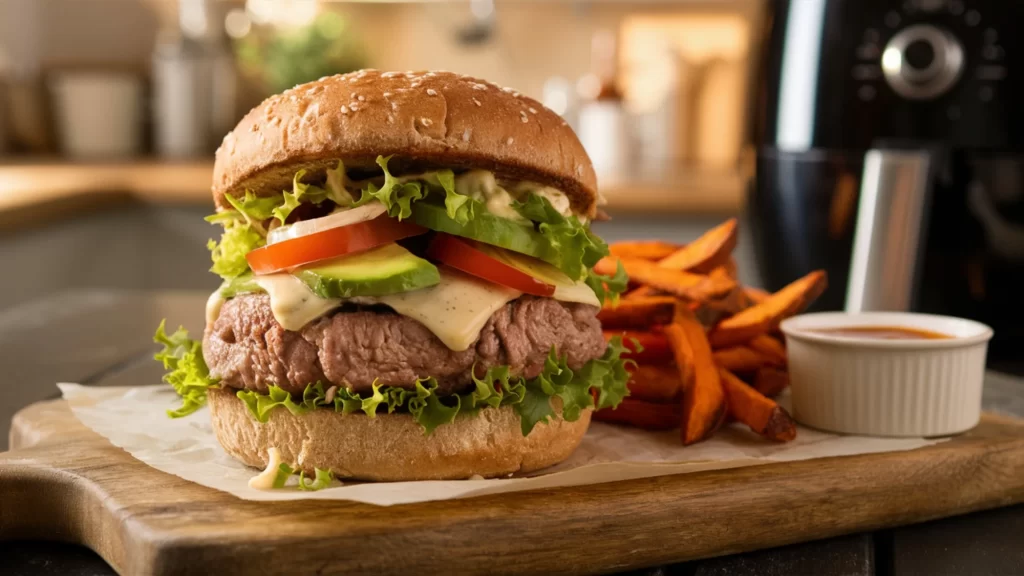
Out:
{"x": 394, "y": 105}
{"x": 533, "y": 110}
{"x": 389, "y": 75}
{"x": 477, "y": 102}
{"x": 523, "y": 117}
{"x": 466, "y": 133}
{"x": 509, "y": 141}
{"x": 427, "y": 122}
{"x": 387, "y": 94}
{"x": 477, "y": 86}
{"x": 415, "y": 84}
{"x": 391, "y": 119}
{"x": 431, "y": 74}
{"x": 344, "y": 109}
{"x": 507, "y": 90}
{"x": 361, "y": 98}
{"x": 431, "y": 92}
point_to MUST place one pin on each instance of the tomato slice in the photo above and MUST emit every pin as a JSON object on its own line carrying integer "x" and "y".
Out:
{"x": 462, "y": 255}
{"x": 330, "y": 243}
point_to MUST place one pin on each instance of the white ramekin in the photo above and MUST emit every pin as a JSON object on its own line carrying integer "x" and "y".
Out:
{"x": 878, "y": 387}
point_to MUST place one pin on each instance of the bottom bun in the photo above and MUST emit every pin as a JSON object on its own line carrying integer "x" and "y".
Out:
{"x": 392, "y": 447}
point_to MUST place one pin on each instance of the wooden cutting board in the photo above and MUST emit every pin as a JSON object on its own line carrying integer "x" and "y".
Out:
{"x": 64, "y": 482}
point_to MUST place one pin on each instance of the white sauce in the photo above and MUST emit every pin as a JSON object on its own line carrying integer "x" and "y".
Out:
{"x": 481, "y": 185}
{"x": 213, "y": 306}
{"x": 265, "y": 480}
{"x": 294, "y": 305}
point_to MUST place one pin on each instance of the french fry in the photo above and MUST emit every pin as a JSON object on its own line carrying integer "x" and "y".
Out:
{"x": 684, "y": 284}
{"x": 712, "y": 249}
{"x": 771, "y": 381}
{"x": 641, "y": 313}
{"x": 731, "y": 269}
{"x": 743, "y": 359}
{"x": 641, "y": 292}
{"x": 643, "y": 249}
{"x": 647, "y": 415}
{"x": 770, "y": 347}
{"x": 656, "y": 349}
{"x": 765, "y": 317}
{"x": 755, "y": 295}
{"x": 752, "y": 408}
{"x": 655, "y": 383}
{"x": 704, "y": 407}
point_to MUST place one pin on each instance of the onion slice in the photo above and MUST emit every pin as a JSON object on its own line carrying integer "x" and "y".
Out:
{"x": 333, "y": 220}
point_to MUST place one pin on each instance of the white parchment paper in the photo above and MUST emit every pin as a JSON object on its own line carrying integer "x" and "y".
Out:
{"x": 133, "y": 418}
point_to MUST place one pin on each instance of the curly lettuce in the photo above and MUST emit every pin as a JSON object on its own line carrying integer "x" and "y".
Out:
{"x": 608, "y": 288}
{"x": 571, "y": 241}
{"x": 604, "y": 378}
{"x": 228, "y": 255}
{"x": 186, "y": 369}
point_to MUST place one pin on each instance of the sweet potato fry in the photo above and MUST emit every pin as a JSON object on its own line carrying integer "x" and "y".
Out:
{"x": 752, "y": 408}
{"x": 771, "y": 381}
{"x": 641, "y": 292}
{"x": 656, "y": 349}
{"x": 647, "y": 415}
{"x": 655, "y": 383}
{"x": 765, "y": 317}
{"x": 640, "y": 313}
{"x": 704, "y": 406}
{"x": 743, "y": 359}
{"x": 683, "y": 284}
{"x": 755, "y": 295}
{"x": 730, "y": 268}
{"x": 706, "y": 253}
{"x": 643, "y": 249}
{"x": 770, "y": 347}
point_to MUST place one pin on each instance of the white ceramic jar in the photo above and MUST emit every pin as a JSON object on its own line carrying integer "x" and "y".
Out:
{"x": 886, "y": 387}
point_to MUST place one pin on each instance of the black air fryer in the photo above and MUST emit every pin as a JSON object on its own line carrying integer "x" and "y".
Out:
{"x": 898, "y": 127}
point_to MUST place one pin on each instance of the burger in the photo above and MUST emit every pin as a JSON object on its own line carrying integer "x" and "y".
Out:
{"x": 408, "y": 288}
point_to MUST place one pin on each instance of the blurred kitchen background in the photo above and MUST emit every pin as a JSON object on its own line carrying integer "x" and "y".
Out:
{"x": 113, "y": 109}
{"x": 693, "y": 111}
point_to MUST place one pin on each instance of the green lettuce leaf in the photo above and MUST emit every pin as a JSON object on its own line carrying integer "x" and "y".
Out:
{"x": 261, "y": 404}
{"x": 608, "y": 288}
{"x": 284, "y": 472}
{"x": 323, "y": 480}
{"x": 301, "y": 192}
{"x": 579, "y": 247}
{"x": 530, "y": 398}
{"x": 250, "y": 209}
{"x": 460, "y": 207}
{"x": 396, "y": 194}
{"x": 187, "y": 372}
{"x": 337, "y": 185}
{"x": 228, "y": 255}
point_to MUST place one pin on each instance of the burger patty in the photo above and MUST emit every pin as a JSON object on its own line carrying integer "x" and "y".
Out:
{"x": 246, "y": 348}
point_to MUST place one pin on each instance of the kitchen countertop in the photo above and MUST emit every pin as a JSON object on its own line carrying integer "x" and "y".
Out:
{"x": 106, "y": 335}
{"x": 37, "y": 192}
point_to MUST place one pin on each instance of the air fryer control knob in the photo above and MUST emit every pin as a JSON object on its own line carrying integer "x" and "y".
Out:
{"x": 922, "y": 62}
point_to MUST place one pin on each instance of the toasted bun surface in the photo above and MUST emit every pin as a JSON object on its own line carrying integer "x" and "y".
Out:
{"x": 392, "y": 447}
{"x": 425, "y": 119}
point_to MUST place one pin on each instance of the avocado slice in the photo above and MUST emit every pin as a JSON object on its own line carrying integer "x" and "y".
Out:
{"x": 386, "y": 270}
{"x": 489, "y": 229}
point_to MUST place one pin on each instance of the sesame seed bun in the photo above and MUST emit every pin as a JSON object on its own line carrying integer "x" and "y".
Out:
{"x": 392, "y": 447}
{"x": 425, "y": 119}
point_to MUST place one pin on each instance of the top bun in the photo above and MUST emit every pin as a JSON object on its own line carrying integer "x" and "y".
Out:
{"x": 425, "y": 119}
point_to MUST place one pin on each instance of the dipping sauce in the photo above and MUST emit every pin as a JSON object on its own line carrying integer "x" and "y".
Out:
{"x": 884, "y": 333}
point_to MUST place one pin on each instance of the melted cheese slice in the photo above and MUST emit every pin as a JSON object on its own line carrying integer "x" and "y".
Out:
{"x": 294, "y": 305}
{"x": 455, "y": 309}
